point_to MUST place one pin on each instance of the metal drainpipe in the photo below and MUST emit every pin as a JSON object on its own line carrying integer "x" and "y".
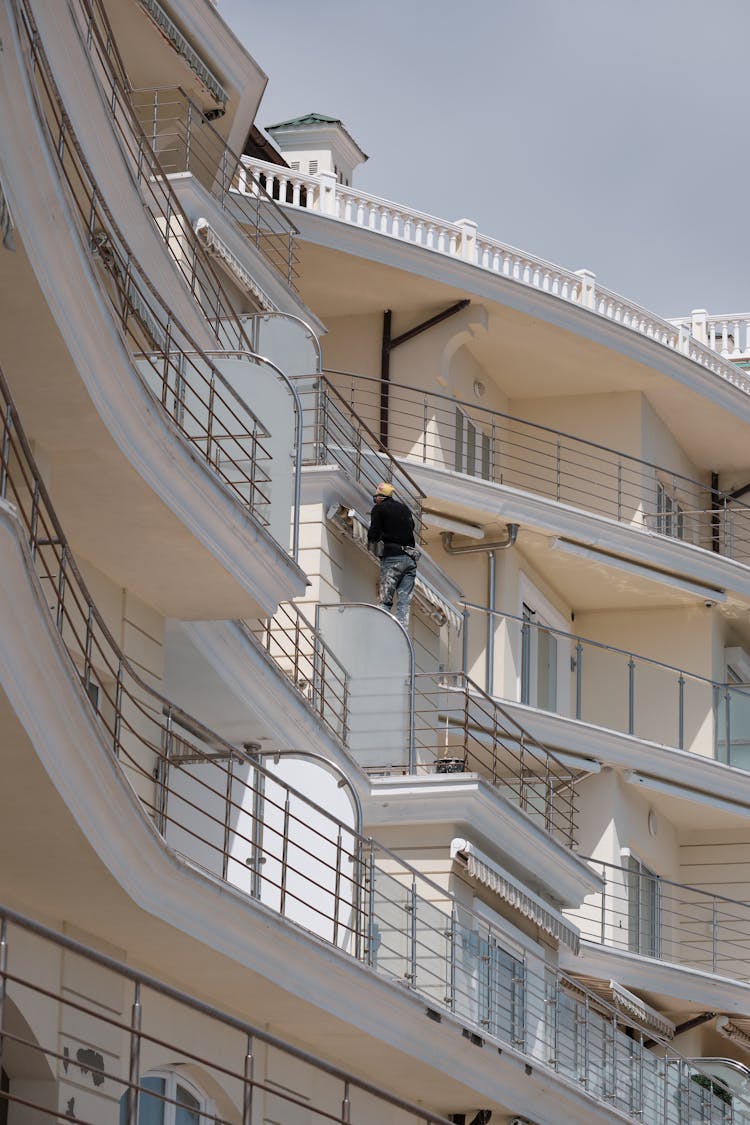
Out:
{"x": 490, "y": 548}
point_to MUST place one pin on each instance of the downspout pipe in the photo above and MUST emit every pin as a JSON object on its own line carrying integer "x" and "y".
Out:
{"x": 473, "y": 549}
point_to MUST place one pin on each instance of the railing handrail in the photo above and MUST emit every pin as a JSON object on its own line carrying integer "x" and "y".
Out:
{"x": 166, "y": 705}
{"x": 153, "y": 984}
{"x": 334, "y": 392}
{"x": 121, "y": 95}
{"x": 578, "y": 638}
{"x": 655, "y": 878}
{"x": 474, "y": 408}
{"x": 132, "y": 272}
{"x": 238, "y": 159}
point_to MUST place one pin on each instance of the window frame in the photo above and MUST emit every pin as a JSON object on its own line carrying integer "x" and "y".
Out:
{"x": 172, "y": 1078}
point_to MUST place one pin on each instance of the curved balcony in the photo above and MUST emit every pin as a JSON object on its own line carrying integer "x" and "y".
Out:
{"x": 609, "y": 687}
{"x": 439, "y": 431}
{"x": 440, "y": 723}
{"x": 188, "y": 383}
{"x": 240, "y": 821}
{"x": 301, "y": 653}
{"x": 141, "y": 170}
{"x": 461, "y": 240}
{"x": 200, "y": 1035}
{"x": 186, "y": 142}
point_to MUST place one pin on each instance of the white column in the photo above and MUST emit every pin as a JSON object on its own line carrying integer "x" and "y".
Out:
{"x": 588, "y": 288}
{"x": 327, "y": 203}
{"x": 468, "y": 245}
{"x": 698, "y": 327}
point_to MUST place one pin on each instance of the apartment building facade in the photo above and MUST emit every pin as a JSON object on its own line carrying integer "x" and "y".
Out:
{"x": 269, "y": 857}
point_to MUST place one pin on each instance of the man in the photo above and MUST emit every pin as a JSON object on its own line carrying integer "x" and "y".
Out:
{"x": 392, "y": 524}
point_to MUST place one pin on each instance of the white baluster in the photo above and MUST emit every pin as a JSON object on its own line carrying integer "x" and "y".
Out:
{"x": 419, "y": 233}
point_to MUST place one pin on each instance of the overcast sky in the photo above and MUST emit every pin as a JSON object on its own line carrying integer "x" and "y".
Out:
{"x": 607, "y": 134}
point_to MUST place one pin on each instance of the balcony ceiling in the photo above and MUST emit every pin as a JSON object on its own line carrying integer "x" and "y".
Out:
{"x": 533, "y": 357}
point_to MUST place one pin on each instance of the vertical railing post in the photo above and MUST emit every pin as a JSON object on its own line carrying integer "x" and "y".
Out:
{"x": 60, "y": 617}
{"x": 346, "y": 1104}
{"x": 188, "y": 134}
{"x": 714, "y": 935}
{"x": 34, "y": 521}
{"x": 337, "y": 887}
{"x": 5, "y": 453}
{"x": 557, "y": 470}
{"x": 284, "y": 855}
{"x": 259, "y": 780}
{"x": 579, "y": 677}
{"x": 370, "y": 944}
{"x": 248, "y": 1085}
{"x": 619, "y": 490}
{"x": 681, "y": 712}
{"x": 452, "y": 953}
{"x": 118, "y": 709}
{"x": 133, "y": 1098}
{"x": 728, "y": 723}
{"x": 603, "y": 918}
{"x": 3, "y": 985}
{"x": 614, "y": 1059}
{"x": 412, "y": 906}
{"x": 586, "y": 1039}
{"x": 227, "y": 818}
{"x": 465, "y": 642}
{"x": 631, "y": 695}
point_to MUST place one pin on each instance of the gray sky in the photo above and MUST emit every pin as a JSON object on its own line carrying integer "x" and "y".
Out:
{"x": 607, "y": 134}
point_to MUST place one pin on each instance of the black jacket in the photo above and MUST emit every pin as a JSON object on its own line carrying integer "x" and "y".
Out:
{"x": 391, "y": 521}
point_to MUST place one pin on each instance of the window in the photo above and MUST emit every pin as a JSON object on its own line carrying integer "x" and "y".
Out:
{"x": 539, "y": 660}
{"x": 313, "y": 167}
{"x": 670, "y": 517}
{"x": 644, "y": 908}
{"x": 294, "y": 165}
{"x": 471, "y": 449}
{"x": 168, "y": 1099}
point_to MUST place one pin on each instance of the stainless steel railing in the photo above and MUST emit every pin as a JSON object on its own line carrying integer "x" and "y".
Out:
{"x": 458, "y": 727}
{"x": 298, "y": 649}
{"x": 438, "y": 430}
{"x": 238, "y": 819}
{"x": 161, "y": 201}
{"x": 186, "y": 141}
{"x": 608, "y": 686}
{"x": 334, "y": 433}
{"x": 224, "y": 1047}
{"x": 640, "y": 912}
{"x": 190, "y": 388}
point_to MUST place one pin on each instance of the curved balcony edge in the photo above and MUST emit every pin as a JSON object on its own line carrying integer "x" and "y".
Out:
{"x": 712, "y": 991}
{"x": 701, "y": 778}
{"x": 249, "y": 672}
{"x": 51, "y": 707}
{"x": 138, "y": 426}
{"x": 664, "y": 556}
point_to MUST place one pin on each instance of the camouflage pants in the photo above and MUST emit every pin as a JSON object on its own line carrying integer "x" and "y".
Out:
{"x": 397, "y": 575}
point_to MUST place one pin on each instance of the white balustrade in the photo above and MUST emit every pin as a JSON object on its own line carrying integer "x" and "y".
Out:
{"x": 714, "y": 342}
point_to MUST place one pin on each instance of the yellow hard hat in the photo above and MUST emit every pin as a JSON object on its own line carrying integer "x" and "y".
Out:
{"x": 384, "y": 489}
